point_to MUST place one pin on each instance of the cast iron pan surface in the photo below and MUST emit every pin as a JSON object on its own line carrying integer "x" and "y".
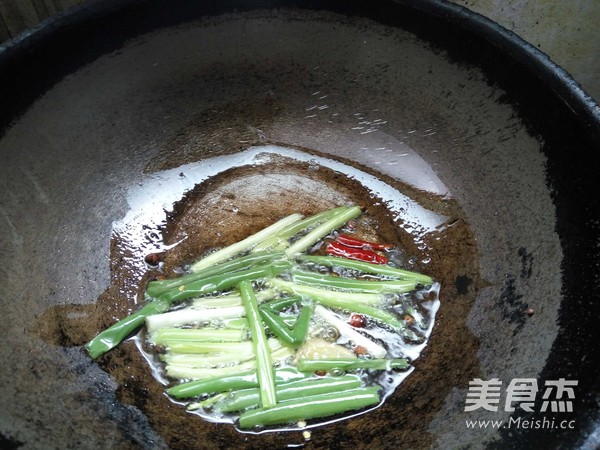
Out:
{"x": 99, "y": 105}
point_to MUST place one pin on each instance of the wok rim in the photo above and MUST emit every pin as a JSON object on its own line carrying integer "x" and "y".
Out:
{"x": 22, "y": 55}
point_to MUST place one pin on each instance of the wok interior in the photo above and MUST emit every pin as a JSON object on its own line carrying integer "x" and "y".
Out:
{"x": 314, "y": 79}
{"x": 236, "y": 203}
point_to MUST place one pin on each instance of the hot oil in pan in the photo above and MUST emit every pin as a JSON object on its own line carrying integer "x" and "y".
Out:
{"x": 388, "y": 381}
{"x": 182, "y": 213}
{"x": 270, "y": 183}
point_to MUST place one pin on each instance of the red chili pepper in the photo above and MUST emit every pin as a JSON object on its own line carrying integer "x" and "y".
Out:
{"x": 360, "y": 254}
{"x": 359, "y": 243}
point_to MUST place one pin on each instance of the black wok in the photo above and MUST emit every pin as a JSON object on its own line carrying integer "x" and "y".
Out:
{"x": 96, "y": 102}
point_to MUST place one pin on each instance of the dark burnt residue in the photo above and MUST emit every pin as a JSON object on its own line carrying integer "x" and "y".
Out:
{"x": 526, "y": 263}
{"x": 462, "y": 284}
{"x": 511, "y": 304}
{"x": 512, "y": 307}
{"x": 240, "y": 201}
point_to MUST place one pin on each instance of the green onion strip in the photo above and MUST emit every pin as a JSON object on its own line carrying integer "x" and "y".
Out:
{"x": 224, "y": 348}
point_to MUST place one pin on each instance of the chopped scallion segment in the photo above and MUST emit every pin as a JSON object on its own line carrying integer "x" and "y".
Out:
{"x": 310, "y": 407}
{"x": 262, "y": 332}
{"x": 264, "y": 363}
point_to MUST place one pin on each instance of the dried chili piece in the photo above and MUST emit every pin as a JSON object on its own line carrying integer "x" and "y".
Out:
{"x": 360, "y": 254}
{"x": 350, "y": 241}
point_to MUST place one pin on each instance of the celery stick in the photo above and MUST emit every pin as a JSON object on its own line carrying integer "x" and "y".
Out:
{"x": 314, "y": 365}
{"x": 293, "y": 334}
{"x": 380, "y": 287}
{"x": 165, "y": 336}
{"x": 231, "y": 299}
{"x": 280, "y": 240}
{"x": 304, "y": 224}
{"x": 322, "y": 230}
{"x": 266, "y": 376}
{"x": 239, "y": 380}
{"x": 237, "y": 352}
{"x": 352, "y": 301}
{"x": 157, "y": 288}
{"x": 250, "y": 398}
{"x": 245, "y": 244}
{"x": 311, "y": 407}
{"x": 183, "y": 371}
{"x": 381, "y": 315}
{"x": 195, "y": 348}
{"x": 240, "y": 323}
{"x": 114, "y": 335}
{"x": 367, "y": 267}
{"x": 320, "y": 294}
{"x": 205, "y": 361}
{"x": 217, "y": 301}
{"x": 224, "y": 281}
{"x": 199, "y": 373}
{"x": 191, "y": 315}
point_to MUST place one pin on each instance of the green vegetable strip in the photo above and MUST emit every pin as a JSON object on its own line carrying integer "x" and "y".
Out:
{"x": 311, "y": 407}
{"x": 191, "y": 315}
{"x": 293, "y": 334}
{"x": 377, "y": 269}
{"x": 322, "y": 230}
{"x": 200, "y": 373}
{"x": 114, "y": 335}
{"x": 232, "y": 299}
{"x": 321, "y": 294}
{"x": 250, "y": 398}
{"x": 241, "y": 323}
{"x": 282, "y": 303}
{"x": 314, "y": 365}
{"x": 217, "y": 301}
{"x": 265, "y": 372}
{"x": 307, "y": 277}
{"x": 196, "y": 373}
{"x": 157, "y": 288}
{"x": 205, "y": 361}
{"x": 278, "y": 327}
{"x": 245, "y": 244}
{"x": 166, "y": 336}
{"x": 304, "y": 224}
{"x": 223, "y": 282}
{"x": 240, "y": 380}
{"x": 281, "y": 238}
{"x": 239, "y": 352}
{"x": 216, "y": 384}
{"x": 352, "y": 301}
{"x": 302, "y": 324}
{"x": 196, "y": 348}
